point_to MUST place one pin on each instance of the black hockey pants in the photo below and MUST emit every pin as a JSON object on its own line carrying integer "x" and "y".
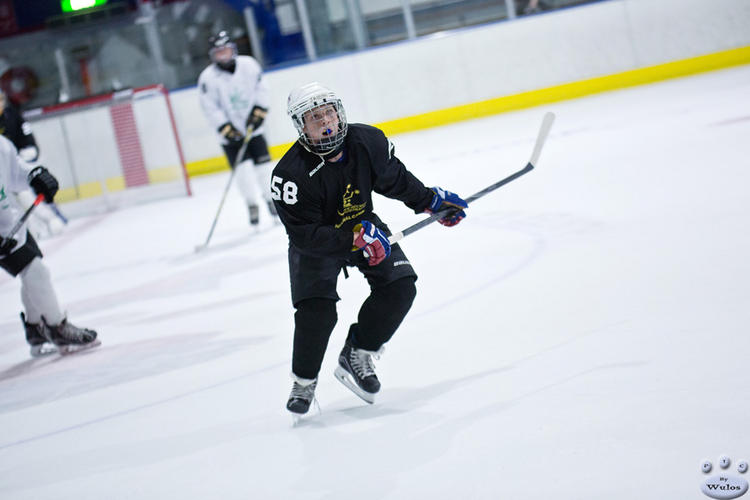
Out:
{"x": 379, "y": 317}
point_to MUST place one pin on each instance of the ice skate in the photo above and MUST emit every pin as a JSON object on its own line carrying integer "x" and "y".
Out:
{"x": 69, "y": 338}
{"x": 356, "y": 371}
{"x": 254, "y": 214}
{"x": 301, "y": 397}
{"x": 36, "y": 338}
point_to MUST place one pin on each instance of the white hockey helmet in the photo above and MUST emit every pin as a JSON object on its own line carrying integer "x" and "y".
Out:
{"x": 306, "y": 98}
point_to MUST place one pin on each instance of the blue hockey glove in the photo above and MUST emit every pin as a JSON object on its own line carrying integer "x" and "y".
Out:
{"x": 373, "y": 242}
{"x": 443, "y": 200}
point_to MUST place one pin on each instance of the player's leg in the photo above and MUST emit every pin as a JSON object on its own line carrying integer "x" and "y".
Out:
{"x": 314, "y": 296}
{"x": 392, "y": 292}
{"x": 42, "y": 308}
{"x": 314, "y": 321}
{"x": 17, "y": 263}
{"x": 244, "y": 179}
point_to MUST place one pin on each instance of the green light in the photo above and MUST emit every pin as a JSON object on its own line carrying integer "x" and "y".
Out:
{"x": 74, "y": 5}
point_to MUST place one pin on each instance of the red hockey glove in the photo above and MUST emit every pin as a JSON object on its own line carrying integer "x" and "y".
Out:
{"x": 373, "y": 242}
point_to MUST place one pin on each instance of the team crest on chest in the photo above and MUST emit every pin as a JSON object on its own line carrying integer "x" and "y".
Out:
{"x": 349, "y": 209}
{"x": 238, "y": 100}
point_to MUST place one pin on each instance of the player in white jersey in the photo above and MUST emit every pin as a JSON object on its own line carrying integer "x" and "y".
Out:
{"x": 43, "y": 221}
{"x": 47, "y": 328}
{"x": 235, "y": 99}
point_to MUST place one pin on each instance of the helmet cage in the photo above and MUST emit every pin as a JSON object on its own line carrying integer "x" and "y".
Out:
{"x": 301, "y": 111}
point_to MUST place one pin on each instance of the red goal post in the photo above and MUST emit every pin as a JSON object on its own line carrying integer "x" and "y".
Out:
{"x": 111, "y": 150}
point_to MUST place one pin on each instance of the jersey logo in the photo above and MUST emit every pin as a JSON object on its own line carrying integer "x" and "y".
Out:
{"x": 350, "y": 211}
{"x": 2, "y": 193}
{"x": 320, "y": 165}
{"x": 391, "y": 149}
{"x": 238, "y": 101}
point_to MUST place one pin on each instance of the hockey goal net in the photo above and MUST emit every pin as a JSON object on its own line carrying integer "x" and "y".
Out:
{"x": 111, "y": 150}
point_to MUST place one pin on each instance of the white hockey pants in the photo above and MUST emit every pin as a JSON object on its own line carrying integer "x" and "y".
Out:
{"x": 252, "y": 178}
{"x": 38, "y": 295}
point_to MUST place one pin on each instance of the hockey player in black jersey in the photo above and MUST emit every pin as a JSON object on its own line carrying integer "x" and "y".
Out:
{"x": 17, "y": 130}
{"x": 322, "y": 189}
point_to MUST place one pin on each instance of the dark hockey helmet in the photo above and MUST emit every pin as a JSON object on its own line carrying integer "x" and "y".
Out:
{"x": 311, "y": 105}
{"x": 219, "y": 42}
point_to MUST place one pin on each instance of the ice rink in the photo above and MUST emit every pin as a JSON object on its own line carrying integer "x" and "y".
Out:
{"x": 583, "y": 334}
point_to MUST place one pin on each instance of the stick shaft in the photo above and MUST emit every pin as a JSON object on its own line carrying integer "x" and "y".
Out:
{"x": 547, "y": 121}
{"x": 26, "y": 214}
{"x": 439, "y": 215}
{"x": 237, "y": 161}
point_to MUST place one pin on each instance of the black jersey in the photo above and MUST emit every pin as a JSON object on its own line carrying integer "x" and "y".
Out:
{"x": 15, "y": 128}
{"x": 320, "y": 202}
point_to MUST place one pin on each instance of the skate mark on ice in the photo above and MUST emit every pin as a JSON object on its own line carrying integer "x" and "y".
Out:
{"x": 58, "y": 377}
{"x": 142, "y": 407}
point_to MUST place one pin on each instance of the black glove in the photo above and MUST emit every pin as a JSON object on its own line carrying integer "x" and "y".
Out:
{"x": 256, "y": 117}
{"x": 6, "y": 246}
{"x": 231, "y": 133}
{"x": 42, "y": 182}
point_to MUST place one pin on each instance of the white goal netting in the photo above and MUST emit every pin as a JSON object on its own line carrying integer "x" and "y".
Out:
{"x": 111, "y": 150}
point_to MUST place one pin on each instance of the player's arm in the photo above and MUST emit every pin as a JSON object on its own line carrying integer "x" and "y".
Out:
{"x": 18, "y": 170}
{"x": 217, "y": 118}
{"x": 393, "y": 180}
{"x": 27, "y": 147}
{"x": 261, "y": 94}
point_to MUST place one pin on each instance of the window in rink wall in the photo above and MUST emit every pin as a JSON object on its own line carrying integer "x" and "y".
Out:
{"x": 165, "y": 42}
{"x": 328, "y": 27}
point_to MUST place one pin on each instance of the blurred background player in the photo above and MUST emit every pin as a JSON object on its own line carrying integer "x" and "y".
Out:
{"x": 235, "y": 99}
{"x": 47, "y": 328}
{"x": 43, "y": 221}
{"x": 323, "y": 189}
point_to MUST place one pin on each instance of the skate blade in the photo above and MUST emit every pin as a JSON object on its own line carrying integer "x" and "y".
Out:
{"x": 299, "y": 419}
{"x": 345, "y": 378}
{"x": 43, "y": 350}
{"x": 73, "y": 349}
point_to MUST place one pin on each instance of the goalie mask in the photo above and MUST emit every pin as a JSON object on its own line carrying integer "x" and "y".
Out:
{"x": 222, "y": 51}
{"x": 318, "y": 116}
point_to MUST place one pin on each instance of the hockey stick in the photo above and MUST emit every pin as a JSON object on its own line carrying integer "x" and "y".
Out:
{"x": 547, "y": 122}
{"x": 26, "y": 214}
{"x": 59, "y": 214}
{"x": 237, "y": 161}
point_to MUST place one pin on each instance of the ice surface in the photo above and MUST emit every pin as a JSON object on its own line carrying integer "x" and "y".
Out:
{"x": 583, "y": 334}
